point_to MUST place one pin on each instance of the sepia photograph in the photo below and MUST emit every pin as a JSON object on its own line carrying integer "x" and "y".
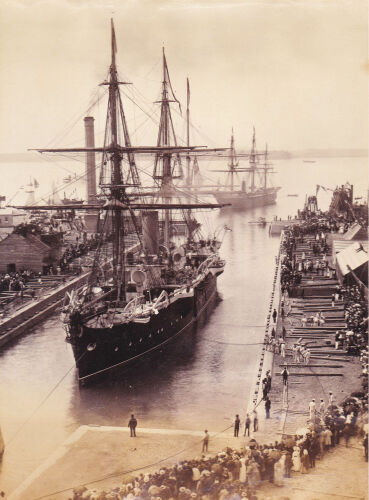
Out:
{"x": 184, "y": 249}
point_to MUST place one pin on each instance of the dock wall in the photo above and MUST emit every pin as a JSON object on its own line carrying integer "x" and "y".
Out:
{"x": 265, "y": 361}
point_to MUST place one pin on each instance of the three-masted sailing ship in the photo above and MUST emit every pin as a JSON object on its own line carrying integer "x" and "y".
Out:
{"x": 140, "y": 298}
{"x": 255, "y": 190}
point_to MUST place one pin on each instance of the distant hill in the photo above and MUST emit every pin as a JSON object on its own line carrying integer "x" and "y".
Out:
{"x": 316, "y": 153}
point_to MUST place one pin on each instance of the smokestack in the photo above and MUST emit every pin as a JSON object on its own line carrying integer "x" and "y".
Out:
{"x": 90, "y": 160}
{"x": 150, "y": 231}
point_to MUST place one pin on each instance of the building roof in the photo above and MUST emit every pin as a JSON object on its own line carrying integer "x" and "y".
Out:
{"x": 355, "y": 232}
{"x": 352, "y": 257}
{"x": 340, "y": 245}
{"x": 31, "y": 239}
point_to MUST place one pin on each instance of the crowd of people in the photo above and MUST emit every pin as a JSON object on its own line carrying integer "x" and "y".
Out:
{"x": 235, "y": 474}
{"x": 15, "y": 281}
{"x": 74, "y": 251}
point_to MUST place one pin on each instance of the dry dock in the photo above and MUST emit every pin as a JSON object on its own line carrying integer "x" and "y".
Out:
{"x": 103, "y": 457}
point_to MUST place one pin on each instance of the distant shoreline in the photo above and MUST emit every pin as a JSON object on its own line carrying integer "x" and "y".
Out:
{"x": 310, "y": 154}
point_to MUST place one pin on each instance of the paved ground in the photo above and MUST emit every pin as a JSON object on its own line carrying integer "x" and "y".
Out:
{"x": 108, "y": 454}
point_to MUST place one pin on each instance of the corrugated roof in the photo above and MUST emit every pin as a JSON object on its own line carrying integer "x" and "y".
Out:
{"x": 356, "y": 231}
{"x": 353, "y": 256}
{"x": 340, "y": 245}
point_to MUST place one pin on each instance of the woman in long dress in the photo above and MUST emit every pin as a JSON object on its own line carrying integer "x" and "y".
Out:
{"x": 305, "y": 461}
{"x": 279, "y": 470}
{"x": 296, "y": 459}
{"x": 253, "y": 474}
{"x": 243, "y": 470}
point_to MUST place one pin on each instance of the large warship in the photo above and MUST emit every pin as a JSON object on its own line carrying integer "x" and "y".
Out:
{"x": 140, "y": 297}
{"x": 254, "y": 191}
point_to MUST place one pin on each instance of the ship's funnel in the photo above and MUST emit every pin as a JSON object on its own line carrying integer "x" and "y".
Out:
{"x": 90, "y": 159}
{"x": 150, "y": 231}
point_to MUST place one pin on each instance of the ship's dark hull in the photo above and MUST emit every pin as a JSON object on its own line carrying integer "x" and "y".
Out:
{"x": 241, "y": 199}
{"x": 98, "y": 351}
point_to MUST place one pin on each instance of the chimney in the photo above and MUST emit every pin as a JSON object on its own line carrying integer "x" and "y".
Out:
{"x": 90, "y": 159}
{"x": 150, "y": 231}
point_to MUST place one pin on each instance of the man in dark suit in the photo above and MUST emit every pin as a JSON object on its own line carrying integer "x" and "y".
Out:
{"x": 132, "y": 424}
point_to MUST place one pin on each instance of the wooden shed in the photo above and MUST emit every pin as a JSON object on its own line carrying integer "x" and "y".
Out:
{"x": 24, "y": 252}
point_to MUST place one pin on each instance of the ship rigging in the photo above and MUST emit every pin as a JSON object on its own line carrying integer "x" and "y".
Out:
{"x": 140, "y": 298}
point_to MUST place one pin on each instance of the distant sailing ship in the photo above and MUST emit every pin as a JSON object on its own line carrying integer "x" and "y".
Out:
{"x": 138, "y": 299}
{"x": 256, "y": 192}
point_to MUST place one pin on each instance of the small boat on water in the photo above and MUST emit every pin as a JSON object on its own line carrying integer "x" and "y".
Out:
{"x": 261, "y": 221}
{"x": 292, "y": 195}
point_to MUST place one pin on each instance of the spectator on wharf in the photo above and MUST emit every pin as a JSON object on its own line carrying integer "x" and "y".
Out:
{"x": 274, "y": 315}
{"x": 237, "y": 423}
{"x": 321, "y": 407}
{"x": 247, "y": 425}
{"x": 304, "y": 320}
{"x": 307, "y": 356}
{"x": 205, "y": 442}
{"x": 132, "y": 424}
{"x": 365, "y": 446}
{"x": 305, "y": 461}
{"x": 256, "y": 421}
{"x": 269, "y": 380}
{"x": 328, "y": 438}
{"x": 265, "y": 388}
{"x": 268, "y": 404}
{"x": 285, "y": 374}
{"x": 279, "y": 471}
{"x": 283, "y": 349}
{"x": 333, "y": 299}
{"x": 337, "y": 339}
{"x": 331, "y": 399}
{"x": 284, "y": 333}
{"x": 296, "y": 460}
{"x": 312, "y": 409}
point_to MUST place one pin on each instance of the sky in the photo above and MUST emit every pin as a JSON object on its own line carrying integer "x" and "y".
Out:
{"x": 296, "y": 70}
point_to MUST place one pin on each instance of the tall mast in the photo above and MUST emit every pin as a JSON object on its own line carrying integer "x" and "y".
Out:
{"x": 265, "y": 166}
{"x": 165, "y": 141}
{"x": 253, "y": 161}
{"x": 233, "y": 161}
{"x": 166, "y": 131}
{"x": 117, "y": 191}
{"x": 188, "y": 158}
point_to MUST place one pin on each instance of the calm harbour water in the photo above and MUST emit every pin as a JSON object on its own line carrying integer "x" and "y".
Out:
{"x": 199, "y": 384}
